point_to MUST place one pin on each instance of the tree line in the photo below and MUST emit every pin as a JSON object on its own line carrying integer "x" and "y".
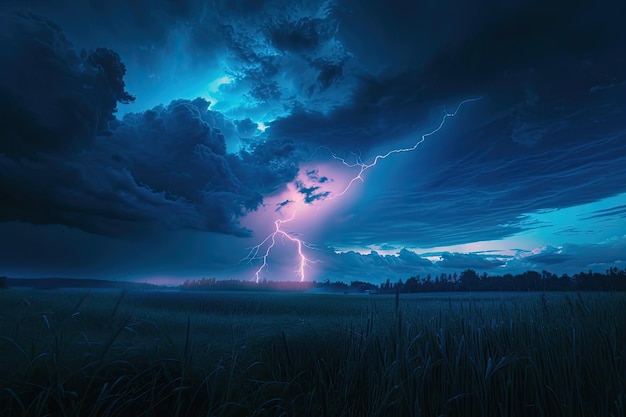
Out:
{"x": 613, "y": 279}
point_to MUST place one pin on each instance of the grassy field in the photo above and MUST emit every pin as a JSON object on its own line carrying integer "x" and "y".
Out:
{"x": 114, "y": 353}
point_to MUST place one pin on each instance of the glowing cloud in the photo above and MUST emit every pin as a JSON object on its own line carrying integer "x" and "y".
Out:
{"x": 309, "y": 194}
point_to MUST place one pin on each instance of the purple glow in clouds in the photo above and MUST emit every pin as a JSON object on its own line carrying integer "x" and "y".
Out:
{"x": 300, "y": 201}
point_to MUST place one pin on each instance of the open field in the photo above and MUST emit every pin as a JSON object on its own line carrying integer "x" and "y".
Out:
{"x": 115, "y": 353}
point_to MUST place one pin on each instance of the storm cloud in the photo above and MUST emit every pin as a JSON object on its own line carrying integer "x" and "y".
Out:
{"x": 67, "y": 160}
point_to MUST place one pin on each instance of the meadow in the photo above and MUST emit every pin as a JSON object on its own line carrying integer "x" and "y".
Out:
{"x": 171, "y": 353}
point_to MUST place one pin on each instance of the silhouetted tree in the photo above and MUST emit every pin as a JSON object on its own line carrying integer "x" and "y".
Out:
{"x": 530, "y": 281}
{"x": 411, "y": 285}
{"x": 469, "y": 280}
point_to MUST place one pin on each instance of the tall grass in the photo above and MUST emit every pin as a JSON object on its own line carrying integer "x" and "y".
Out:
{"x": 178, "y": 354}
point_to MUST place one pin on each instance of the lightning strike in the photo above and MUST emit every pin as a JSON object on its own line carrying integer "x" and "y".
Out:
{"x": 254, "y": 251}
{"x": 270, "y": 240}
{"x": 364, "y": 167}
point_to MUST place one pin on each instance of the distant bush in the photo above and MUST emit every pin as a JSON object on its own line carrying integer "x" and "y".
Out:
{"x": 3, "y": 283}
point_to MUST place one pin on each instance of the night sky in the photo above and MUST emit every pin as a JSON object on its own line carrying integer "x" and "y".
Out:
{"x": 161, "y": 140}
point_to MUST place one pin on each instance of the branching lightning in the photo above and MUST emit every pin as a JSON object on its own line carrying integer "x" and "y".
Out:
{"x": 271, "y": 238}
{"x": 256, "y": 252}
{"x": 364, "y": 167}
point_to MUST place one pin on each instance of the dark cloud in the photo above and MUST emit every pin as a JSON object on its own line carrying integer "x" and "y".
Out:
{"x": 165, "y": 167}
{"x": 178, "y": 151}
{"x": 413, "y": 259}
{"x": 175, "y": 150}
{"x": 273, "y": 53}
{"x": 266, "y": 166}
{"x": 468, "y": 260}
{"x": 52, "y": 98}
{"x": 144, "y": 21}
{"x": 551, "y": 54}
{"x": 528, "y": 36}
{"x": 311, "y": 193}
{"x": 381, "y": 110}
{"x": 265, "y": 92}
{"x": 574, "y": 258}
{"x": 301, "y": 35}
{"x": 543, "y": 136}
{"x": 484, "y": 186}
{"x": 548, "y": 259}
{"x": 388, "y": 34}
{"x": 611, "y": 212}
{"x": 314, "y": 175}
{"x": 312, "y": 189}
{"x": 246, "y": 127}
{"x": 330, "y": 72}
{"x": 286, "y": 56}
{"x": 282, "y": 204}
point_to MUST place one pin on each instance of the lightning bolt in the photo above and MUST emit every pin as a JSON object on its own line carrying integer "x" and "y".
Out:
{"x": 256, "y": 252}
{"x": 271, "y": 238}
{"x": 364, "y": 167}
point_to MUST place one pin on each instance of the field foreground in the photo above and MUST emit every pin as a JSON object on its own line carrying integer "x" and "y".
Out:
{"x": 154, "y": 353}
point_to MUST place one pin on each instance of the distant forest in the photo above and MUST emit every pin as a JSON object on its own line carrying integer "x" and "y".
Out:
{"x": 613, "y": 279}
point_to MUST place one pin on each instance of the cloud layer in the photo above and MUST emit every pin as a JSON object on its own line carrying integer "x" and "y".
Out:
{"x": 285, "y": 80}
